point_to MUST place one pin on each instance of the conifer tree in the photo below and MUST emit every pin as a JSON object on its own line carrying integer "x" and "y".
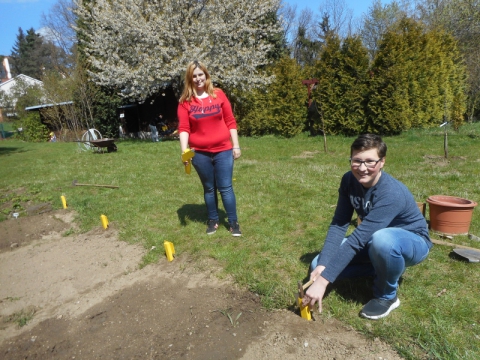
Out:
{"x": 24, "y": 60}
{"x": 306, "y": 50}
{"x": 415, "y": 78}
{"x": 327, "y": 93}
{"x": 460, "y": 18}
{"x": 31, "y": 55}
{"x": 342, "y": 87}
{"x": 278, "y": 109}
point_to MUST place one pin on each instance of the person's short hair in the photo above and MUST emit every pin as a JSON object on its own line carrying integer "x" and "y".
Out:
{"x": 369, "y": 141}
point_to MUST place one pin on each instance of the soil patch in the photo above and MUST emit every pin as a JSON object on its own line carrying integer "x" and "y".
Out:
{"x": 83, "y": 296}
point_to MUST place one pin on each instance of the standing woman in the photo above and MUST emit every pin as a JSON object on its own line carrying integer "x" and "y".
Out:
{"x": 207, "y": 125}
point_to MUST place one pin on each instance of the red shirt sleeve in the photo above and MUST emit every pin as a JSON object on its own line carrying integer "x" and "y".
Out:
{"x": 183, "y": 120}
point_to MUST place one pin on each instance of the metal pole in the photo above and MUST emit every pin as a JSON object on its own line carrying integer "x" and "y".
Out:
{"x": 445, "y": 143}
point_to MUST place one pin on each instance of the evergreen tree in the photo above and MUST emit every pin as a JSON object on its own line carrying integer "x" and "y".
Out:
{"x": 279, "y": 108}
{"x": 336, "y": 18}
{"x": 342, "y": 87}
{"x": 416, "y": 79}
{"x": 19, "y": 48}
{"x": 461, "y": 18}
{"x": 306, "y": 50}
{"x": 353, "y": 82}
{"x": 31, "y": 55}
{"x": 393, "y": 69}
{"x": 327, "y": 94}
{"x": 24, "y": 51}
{"x": 325, "y": 30}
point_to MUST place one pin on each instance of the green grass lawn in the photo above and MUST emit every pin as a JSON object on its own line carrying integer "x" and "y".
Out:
{"x": 286, "y": 192}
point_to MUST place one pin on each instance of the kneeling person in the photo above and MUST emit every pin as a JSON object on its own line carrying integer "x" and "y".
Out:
{"x": 393, "y": 233}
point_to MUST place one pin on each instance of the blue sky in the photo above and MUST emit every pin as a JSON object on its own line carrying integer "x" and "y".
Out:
{"x": 358, "y": 6}
{"x": 19, "y": 13}
{"x": 27, "y": 14}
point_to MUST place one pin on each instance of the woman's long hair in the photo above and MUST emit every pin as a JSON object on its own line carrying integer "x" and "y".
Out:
{"x": 189, "y": 88}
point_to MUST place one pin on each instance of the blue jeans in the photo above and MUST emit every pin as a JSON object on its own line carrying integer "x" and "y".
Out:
{"x": 215, "y": 171}
{"x": 386, "y": 256}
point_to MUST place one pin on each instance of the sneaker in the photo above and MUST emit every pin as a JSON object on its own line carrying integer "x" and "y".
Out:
{"x": 212, "y": 226}
{"x": 378, "y": 308}
{"x": 235, "y": 229}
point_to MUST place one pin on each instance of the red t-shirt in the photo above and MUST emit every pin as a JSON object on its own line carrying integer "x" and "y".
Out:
{"x": 208, "y": 122}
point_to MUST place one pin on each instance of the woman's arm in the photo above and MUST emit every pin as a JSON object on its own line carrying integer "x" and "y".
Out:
{"x": 184, "y": 136}
{"x": 236, "y": 145}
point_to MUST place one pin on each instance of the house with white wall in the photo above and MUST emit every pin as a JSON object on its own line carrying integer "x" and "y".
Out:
{"x": 8, "y": 84}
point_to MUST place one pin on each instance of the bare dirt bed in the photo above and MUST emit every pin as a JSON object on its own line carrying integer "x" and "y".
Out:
{"x": 83, "y": 296}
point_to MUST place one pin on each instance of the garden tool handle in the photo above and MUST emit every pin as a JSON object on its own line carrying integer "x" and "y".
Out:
{"x": 301, "y": 293}
{"x": 307, "y": 285}
{"x": 302, "y": 288}
{"x": 446, "y": 243}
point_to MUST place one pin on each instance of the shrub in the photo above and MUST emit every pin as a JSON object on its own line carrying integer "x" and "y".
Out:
{"x": 32, "y": 128}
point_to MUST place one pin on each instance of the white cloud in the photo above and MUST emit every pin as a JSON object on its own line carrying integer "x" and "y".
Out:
{"x": 47, "y": 33}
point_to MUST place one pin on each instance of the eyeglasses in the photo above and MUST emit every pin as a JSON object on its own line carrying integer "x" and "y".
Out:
{"x": 369, "y": 164}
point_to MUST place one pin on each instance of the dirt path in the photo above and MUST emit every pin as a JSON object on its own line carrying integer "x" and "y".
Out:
{"x": 89, "y": 300}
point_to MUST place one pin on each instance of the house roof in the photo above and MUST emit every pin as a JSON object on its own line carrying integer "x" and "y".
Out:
{"x": 26, "y": 78}
{"x": 10, "y": 84}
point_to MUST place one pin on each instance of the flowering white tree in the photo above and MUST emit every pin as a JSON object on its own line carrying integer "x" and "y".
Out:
{"x": 142, "y": 46}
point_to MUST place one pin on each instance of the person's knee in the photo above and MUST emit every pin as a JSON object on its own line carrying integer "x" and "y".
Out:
{"x": 225, "y": 189}
{"x": 382, "y": 242}
{"x": 314, "y": 263}
{"x": 209, "y": 189}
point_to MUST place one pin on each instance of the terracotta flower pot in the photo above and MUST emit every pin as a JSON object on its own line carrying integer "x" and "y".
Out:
{"x": 450, "y": 215}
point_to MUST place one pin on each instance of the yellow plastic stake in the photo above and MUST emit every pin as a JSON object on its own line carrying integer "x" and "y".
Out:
{"x": 64, "y": 201}
{"x": 169, "y": 250}
{"x": 187, "y": 155}
{"x": 304, "y": 310}
{"x": 104, "y": 220}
